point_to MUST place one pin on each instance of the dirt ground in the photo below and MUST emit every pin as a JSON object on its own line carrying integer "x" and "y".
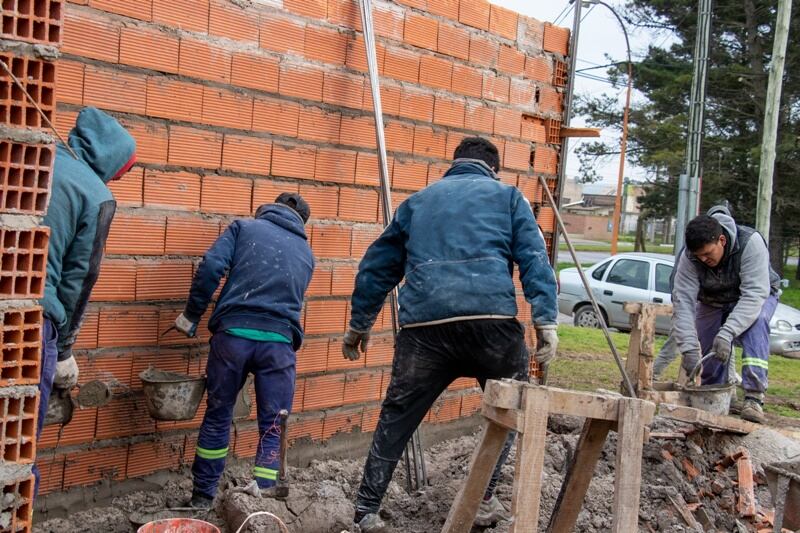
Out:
{"x": 676, "y": 472}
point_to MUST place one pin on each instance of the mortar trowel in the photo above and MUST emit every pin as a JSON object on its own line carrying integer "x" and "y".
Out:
{"x": 61, "y": 404}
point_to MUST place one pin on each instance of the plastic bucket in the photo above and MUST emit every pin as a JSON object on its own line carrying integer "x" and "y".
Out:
{"x": 178, "y": 525}
{"x": 172, "y": 396}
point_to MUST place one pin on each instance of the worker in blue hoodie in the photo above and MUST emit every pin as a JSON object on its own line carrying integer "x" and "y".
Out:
{"x": 79, "y": 216}
{"x": 256, "y": 330}
{"x": 454, "y": 245}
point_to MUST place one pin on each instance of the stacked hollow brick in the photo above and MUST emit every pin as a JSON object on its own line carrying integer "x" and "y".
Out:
{"x": 29, "y": 38}
{"x": 231, "y": 105}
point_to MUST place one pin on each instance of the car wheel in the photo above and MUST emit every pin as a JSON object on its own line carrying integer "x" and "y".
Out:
{"x": 585, "y": 317}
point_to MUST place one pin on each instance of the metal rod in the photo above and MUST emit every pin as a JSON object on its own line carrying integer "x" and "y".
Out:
{"x": 386, "y": 200}
{"x": 627, "y": 381}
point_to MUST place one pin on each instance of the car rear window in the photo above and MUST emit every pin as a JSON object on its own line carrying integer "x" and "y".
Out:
{"x": 663, "y": 273}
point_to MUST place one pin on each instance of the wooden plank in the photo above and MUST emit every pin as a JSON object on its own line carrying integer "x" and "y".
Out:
{"x": 673, "y": 397}
{"x": 503, "y": 394}
{"x": 527, "y": 492}
{"x": 658, "y": 309}
{"x": 579, "y": 475}
{"x": 705, "y": 419}
{"x": 585, "y": 404}
{"x": 680, "y": 505}
{"x": 484, "y": 458}
{"x": 508, "y": 418}
{"x": 634, "y": 346}
{"x": 579, "y": 132}
{"x": 630, "y": 437}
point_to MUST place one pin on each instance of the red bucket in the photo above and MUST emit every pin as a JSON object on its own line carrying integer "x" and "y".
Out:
{"x": 179, "y": 525}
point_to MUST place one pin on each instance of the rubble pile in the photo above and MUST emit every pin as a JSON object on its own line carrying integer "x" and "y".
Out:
{"x": 693, "y": 480}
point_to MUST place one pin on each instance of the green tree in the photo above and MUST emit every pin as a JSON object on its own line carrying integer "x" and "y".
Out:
{"x": 742, "y": 34}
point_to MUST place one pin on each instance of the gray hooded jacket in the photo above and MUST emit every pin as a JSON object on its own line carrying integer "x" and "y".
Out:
{"x": 744, "y": 281}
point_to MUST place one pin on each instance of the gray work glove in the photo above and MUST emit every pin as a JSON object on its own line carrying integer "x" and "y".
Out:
{"x": 722, "y": 347}
{"x": 351, "y": 342}
{"x": 546, "y": 343}
{"x": 186, "y": 326}
{"x": 66, "y": 374}
{"x": 690, "y": 359}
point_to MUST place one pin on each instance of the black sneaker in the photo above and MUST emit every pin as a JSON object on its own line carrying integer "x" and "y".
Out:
{"x": 200, "y": 501}
{"x": 753, "y": 412}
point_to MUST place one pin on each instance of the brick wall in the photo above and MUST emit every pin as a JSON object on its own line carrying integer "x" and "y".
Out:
{"x": 29, "y": 40}
{"x": 231, "y": 105}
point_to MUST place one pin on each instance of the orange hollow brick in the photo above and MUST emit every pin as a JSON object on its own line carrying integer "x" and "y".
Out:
{"x": 503, "y": 22}
{"x": 146, "y": 48}
{"x": 227, "y": 109}
{"x": 341, "y": 422}
{"x": 483, "y": 52}
{"x": 323, "y": 200}
{"x": 232, "y": 21}
{"x": 39, "y": 21}
{"x": 325, "y": 45}
{"x": 301, "y": 81}
{"x": 255, "y": 72}
{"x": 174, "y": 100}
{"x": 280, "y": 34}
{"x": 388, "y": 21}
{"x": 276, "y": 116}
{"x": 344, "y": 13}
{"x": 199, "y": 59}
{"x": 331, "y": 241}
{"x": 177, "y": 190}
{"x": 114, "y": 90}
{"x": 25, "y": 177}
{"x": 116, "y": 282}
{"x": 23, "y": 258}
{"x": 420, "y": 30}
{"x": 190, "y": 15}
{"x": 319, "y": 125}
{"x": 358, "y": 205}
{"x": 136, "y": 10}
{"x": 436, "y": 72}
{"x": 20, "y": 338}
{"x": 70, "y": 82}
{"x": 38, "y": 77}
{"x": 453, "y": 41}
{"x": 402, "y": 64}
{"x": 320, "y": 282}
{"x": 19, "y": 512}
{"x": 474, "y": 13}
{"x": 323, "y": 391}
{"x": 556, "y": 39}
{"x": 429, "y": 142}
{"x": 104, "y": 44}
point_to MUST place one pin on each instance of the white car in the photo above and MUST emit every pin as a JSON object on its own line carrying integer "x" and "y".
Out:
{"x": 644, "y": 277}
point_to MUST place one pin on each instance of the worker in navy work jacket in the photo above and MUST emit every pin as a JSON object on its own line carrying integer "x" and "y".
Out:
{"x": 79, "y": 216}
{"x": 454, "y": 244}
{"x": 256, "y": 330}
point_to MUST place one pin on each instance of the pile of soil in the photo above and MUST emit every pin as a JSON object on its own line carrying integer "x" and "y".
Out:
{"x": 679, "y": 471}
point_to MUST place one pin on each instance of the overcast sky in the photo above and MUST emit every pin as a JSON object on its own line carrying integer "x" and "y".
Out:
{"x": 600, "y": 35}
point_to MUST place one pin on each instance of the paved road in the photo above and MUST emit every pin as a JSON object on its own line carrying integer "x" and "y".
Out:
{"x": 585, "y": 258}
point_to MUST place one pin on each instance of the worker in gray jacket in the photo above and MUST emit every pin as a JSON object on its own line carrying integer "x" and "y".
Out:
{"x": 725, "y": 292}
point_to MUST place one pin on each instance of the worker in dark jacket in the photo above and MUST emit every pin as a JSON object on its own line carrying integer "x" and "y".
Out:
{"x": 724, "y": 292}
{"x": 256, "y": 330}
{"x": 455, "y": 244}
{"x": 79, "y": 216}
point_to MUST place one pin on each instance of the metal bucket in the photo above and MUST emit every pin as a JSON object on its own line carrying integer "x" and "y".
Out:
{"x": 715, "y": 399}
{"x": 171, "y": 396}
{"x": 179, "y": 525}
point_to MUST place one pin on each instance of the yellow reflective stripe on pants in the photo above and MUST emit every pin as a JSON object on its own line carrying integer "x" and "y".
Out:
{"x": 212, "y": 454}
{"x": 265, "y": 473}
{"x": 754, "y": 361}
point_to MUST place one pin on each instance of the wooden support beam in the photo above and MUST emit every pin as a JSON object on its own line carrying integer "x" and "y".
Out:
{"x": 507, "y": 394}
{"x": 503, "y": 394}
{"x": 527, "y": 493}
{"x": 704, "y": 418}
{"x": 484, "y": 458}
{"x": 580, "y": 132}
{"x": 633, "y": 415}
{"x": 579, "y": 474}
{"x": 508, "y": 418}
{"x": 658, "y": 309}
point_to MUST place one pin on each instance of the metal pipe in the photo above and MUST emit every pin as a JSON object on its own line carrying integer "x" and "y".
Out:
{"x": 386, "y": 209}
{"x": 626, "y": 380}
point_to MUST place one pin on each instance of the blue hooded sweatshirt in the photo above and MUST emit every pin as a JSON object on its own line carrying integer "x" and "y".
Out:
{"x": 269, "y": 265}
{"x": 455, "y": 244}
{"x": 79, "y": 216}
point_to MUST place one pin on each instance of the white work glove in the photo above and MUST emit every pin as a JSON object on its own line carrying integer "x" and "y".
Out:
{"x": 546, "y": 343}
{"x": 185, "y": 326}
{"x": 722, "y": 347}
{"x": 351, "y": 342}
{"x": 66, "y": 374}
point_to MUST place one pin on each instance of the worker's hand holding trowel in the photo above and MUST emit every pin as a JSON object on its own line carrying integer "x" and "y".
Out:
{"x": 185, "y": 326}
{"x": 351, "y": 342}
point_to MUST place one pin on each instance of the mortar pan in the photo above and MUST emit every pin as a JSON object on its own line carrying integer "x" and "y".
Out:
{"x": 791, "y": 499}
{"x": 171, "y": 396}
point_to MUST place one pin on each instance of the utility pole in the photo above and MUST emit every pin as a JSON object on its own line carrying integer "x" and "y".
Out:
{"x": 689, "y": 184}
{"x": 562, "y": 164}
{"x": 771, "y": 113}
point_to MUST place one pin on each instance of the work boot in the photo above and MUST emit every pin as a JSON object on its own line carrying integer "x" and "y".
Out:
{"x": 371, "y": 523}
{"x": 752, "y": 411}
{"x": 200, "y": 501}
{"x": 490, "y": 512}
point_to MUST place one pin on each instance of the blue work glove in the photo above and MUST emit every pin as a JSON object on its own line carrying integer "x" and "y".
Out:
{"x": 722, "y": 347}
{"x": 351, "y": 342}
{"x": 186, "y": 326}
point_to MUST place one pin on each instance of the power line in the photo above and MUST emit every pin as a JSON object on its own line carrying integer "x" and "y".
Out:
{"x": 565, "y": 15}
